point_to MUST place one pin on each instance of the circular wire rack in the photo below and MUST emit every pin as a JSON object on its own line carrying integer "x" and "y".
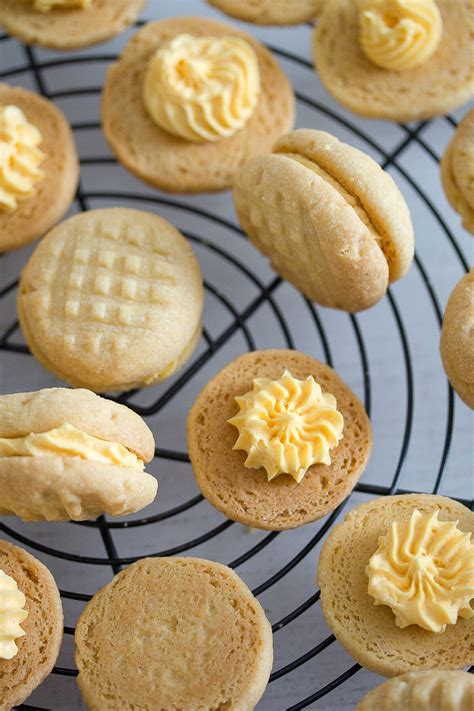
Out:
{"x": 284, "y": 309}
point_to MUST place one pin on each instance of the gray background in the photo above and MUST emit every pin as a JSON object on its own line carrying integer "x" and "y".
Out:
{"x": 389, "y": 371}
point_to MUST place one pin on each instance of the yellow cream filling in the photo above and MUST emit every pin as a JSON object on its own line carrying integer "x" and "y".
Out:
{"x": 20, "y": 157}
{"x": 287, "y": 425}
{"x": 202, "y": 89}
{"x": 424, "y": 570}
{"x": 12, "y": 614}
{"x": 47, "y": 5}
{"x": 399, "y": 34}
{"x": 68, "y": 441}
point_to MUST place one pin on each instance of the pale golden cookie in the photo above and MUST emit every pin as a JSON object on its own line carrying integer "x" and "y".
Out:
{"x": 331, "y": 221}
{"x": 270, "y": 12}
{"x": 457, "y": 339}
{"x": 457, "y": 171}
{"x": 67, "y": 482}
{"x": 112, "y": 299}
{"x": 172, "y": 163}
{"x": 368, "y": 632}
{"x": 422, "y": 691}
{"x": 69, "y": 28}
{"x": 442, "y": 83}
{"x": 173, "y": 633}
{"x": 54, "y": 194}
{"x": 245, "y": 495}
{"x": 39, "y": 648}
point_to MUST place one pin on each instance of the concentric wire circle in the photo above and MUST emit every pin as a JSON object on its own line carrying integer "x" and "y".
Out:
{"x": 267, "y": 295}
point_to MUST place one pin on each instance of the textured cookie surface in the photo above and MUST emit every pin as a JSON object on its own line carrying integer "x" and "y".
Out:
{"x": 422, "y": 691}
{"x": 457, "y": 339}
{"x": 245, "y": 495}
{"x": 111, "y": 299}
{"x": 332, "y": 222}
{"x": 39, "y": 648}
{"x": 457, "y": 171}
{"x": 368, "y": 632}
{"x": 70, "y": 28}
{"x": 173, "y": 633}
{"x": 270, "y": 12}
{"x": 171, "y": 163}
{"x": 54, "y": 194}
{"x": 443, "y": 82}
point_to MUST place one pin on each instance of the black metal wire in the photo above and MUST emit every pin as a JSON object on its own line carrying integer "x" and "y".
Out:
{"x": 240, "y": 323}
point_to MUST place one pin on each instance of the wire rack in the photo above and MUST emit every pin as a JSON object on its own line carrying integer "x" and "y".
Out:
{"x": 379, "y": 353}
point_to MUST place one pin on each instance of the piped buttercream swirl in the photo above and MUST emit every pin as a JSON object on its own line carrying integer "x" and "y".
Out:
{"x": 203, "y": 89}
{"x": 12, "y": 614}
{"x": 287, "y": 425}
{"x": 399, "y": 34}
{"x": 20, "y": 157}
{"x": 424, "y": 570}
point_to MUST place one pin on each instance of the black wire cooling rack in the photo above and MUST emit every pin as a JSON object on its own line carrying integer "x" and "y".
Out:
{"x": 30, "y": 64}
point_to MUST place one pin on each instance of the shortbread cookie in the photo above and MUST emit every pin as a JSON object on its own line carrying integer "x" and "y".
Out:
{"x": 167, "y": 161}
{"x": 195, "y": 638}
{"x": 270, "y": 12}
{"x": 331, "y": 221}
{"x": 457, "y": 171}
{"x": 53, "y": 193}
{"x": 68, "y": 27}
{"x": 112, "y": 299}
{"x": 69, "y": 454}
{"x": 38, "y": 649}
{"x": 422, "y": 691}
{"x": 245, "y": 494}
{"x": 440, "y": 84}
{"x": 457, "y": 339}
{"x": 369, "y": 631}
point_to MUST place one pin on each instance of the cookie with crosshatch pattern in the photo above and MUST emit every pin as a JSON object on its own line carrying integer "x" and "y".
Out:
{"x": 245, "y": 495}
{"x": 39, "y": 648}
{"x": 53, "y": 195}
{"x": 112, "y": 299}
{"x": 68, "y": 28}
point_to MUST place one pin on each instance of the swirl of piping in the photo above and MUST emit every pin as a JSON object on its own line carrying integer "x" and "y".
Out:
{"x": 287, "y": 425}
{"x": 12, "y": 614}
{"x": 399, "y": 34}
{"x": 202, "y": 89}
{"x": 424, "y": 570}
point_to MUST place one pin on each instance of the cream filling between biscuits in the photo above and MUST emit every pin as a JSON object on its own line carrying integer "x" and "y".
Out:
{"x": 69, "y": 441}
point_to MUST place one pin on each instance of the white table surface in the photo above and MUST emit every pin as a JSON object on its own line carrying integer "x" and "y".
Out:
{"x": 387, "y": 367}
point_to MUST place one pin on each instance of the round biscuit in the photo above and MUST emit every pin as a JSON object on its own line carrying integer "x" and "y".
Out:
{"x": 270, "y": 12}
{"x": 457, "y": 339}
{"x": 69, "y": 28}
{"x": 53, "y": 195}
{"x": 457, "y": 171}
{"x": 112, "y": 299}
{"x": 245, "y": 495}
{"x": 172, "y": 163}
{"x": 368, "y": 631}
{"x": 173, "y": 633}
{"x": 441, "y": 84}
{"x": 38, "y": 650}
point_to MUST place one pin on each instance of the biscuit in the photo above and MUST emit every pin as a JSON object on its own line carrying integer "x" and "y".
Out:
{"x": 457, "y": 171}
{"x": 270, "y": 12}
{"x": 54, "y": 194}
{"x": 39, "y": 648}
{"x": 331, "y": 221}
{"x": 194, "y": 638}
{"x": 68, "y": 479}
{"x": 442, "y": 83}
{"x": 457, "y": 339}
{"x": 368, "y": 632}
{"x": 422, "y": 691}
{"x": 112, "y": 299}
{"x": 172, "y": 163}
{"x": 244, "y": 494}
{"x": 69, "y": 28}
